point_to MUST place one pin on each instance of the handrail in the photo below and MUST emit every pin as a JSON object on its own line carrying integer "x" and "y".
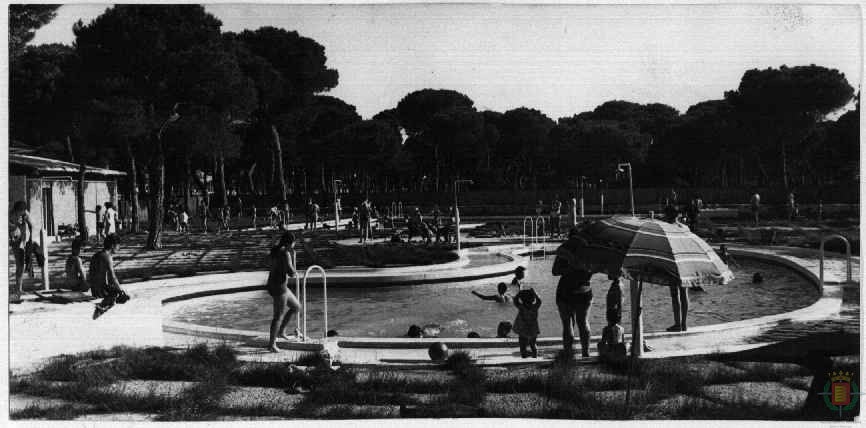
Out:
{"x": 297, "y": 290}
{"x": 324, "y": 298}
{"x": 847, "y": 255}
{"x": 540, "y": 221}
{"x": 532, "y": 224}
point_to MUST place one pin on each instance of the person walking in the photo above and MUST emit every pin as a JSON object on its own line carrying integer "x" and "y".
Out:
{"x": 110, "y": 219}
{"x": 100, "y": 224}
{"x": 285, "y": 302}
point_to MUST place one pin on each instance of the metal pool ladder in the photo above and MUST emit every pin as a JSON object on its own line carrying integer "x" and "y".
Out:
{"x": 324, "y": 298}
{"x": 535, "y": 239}
{"x": 847, "y": 255}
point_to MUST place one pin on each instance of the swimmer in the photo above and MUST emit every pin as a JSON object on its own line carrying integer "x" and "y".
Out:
{"x": 757, "y": 278}
{"x": 518, "y": 275}
{"x": 501, "y": 297}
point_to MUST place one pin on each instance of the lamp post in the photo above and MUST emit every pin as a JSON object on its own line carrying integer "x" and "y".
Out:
{"x": 336, "y": 205}
{"x": 601, "y": 195}
{"x": 620, "y": 169}
{"x": 457, "y": 211}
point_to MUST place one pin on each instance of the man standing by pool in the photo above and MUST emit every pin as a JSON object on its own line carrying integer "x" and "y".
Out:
{"x": 755, "y": 203}
{"x": 573, "y": 294}
{"x": 555, "y": 210}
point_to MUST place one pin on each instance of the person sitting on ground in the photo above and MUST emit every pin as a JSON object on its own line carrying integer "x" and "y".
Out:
{"x": 611, "y": 347}
{"x": 526, "y": 323}
{"x": 102, "y": 278}
{"x": 503, "y": 329}
{"x": 76, "y": 279}
{"x": 518, "y": 276}
{"x": 501, "y": 297}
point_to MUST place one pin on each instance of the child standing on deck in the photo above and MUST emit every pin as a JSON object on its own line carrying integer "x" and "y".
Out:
{"x": 526, "y": 323}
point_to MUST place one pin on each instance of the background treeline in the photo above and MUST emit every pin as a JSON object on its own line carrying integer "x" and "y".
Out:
{"x": 162, "y": 93}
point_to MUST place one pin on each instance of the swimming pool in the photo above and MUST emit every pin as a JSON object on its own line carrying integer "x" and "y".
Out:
{"x": 389, "y": 311}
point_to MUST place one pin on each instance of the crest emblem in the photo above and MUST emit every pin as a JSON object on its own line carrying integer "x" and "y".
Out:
{"x": 840, "y": 392}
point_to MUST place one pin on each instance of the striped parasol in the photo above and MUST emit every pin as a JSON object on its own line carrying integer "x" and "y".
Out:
{"x": 653, "y": 250}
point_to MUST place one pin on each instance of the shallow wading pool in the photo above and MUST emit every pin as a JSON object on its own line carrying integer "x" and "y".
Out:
{"x": 389, "y": 311}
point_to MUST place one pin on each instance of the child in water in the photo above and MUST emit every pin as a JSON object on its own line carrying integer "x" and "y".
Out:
{"x": 611, "y": 347}
{"x": 526, "y": 323}
{"x": 501, "y": 297}
{"x": 518, "y": 275}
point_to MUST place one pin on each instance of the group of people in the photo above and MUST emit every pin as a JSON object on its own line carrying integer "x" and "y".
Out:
{"x": 100, "y": 279}
{"x": 106, "y": 220}
{"x": 573, "y": 300}
{"x": 437, "y": 228}
{"x": 689, "y": 213}
{"x": 554, "y": 217}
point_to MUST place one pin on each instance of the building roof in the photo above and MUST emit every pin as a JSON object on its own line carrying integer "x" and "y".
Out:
{"x": 52, "y": 166}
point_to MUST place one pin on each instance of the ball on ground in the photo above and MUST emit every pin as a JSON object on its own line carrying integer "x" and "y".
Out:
{"x": 438, "y": 351}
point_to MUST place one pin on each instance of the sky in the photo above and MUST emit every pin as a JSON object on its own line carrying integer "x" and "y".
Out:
{"x": 559, "y": 59}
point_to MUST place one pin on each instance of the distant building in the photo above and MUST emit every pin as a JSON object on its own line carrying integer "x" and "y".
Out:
{"x": 49, "y": 187}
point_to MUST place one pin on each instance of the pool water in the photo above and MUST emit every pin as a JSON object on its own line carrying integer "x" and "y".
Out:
{"x": 389, "y": 311}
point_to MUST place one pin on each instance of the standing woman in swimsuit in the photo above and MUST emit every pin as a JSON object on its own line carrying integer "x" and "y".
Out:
{"x": 22, "y": 234}
{"x": 285, "y": 302}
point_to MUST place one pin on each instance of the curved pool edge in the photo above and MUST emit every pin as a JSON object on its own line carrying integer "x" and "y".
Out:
{"x": 827, "y": 305}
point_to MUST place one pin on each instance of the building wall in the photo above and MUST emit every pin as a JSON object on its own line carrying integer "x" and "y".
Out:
{"x": 63, "y": 193}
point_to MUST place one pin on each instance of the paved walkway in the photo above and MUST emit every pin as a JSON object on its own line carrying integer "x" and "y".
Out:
{"x": 181, "y": 254}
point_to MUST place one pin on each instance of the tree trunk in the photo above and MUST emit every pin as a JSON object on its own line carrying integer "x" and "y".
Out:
{"x": 82, "y": 220}
{"x": 436, "y": 157}
{"x": 69, "y": 149}
{"x": 220, "y": 174}
{"x": 154, "y": 236}
{"x": 187, "y": 188}
{"x": 784, "y": 166}
{"x": 250, "y": 173}
{"x": 133, "y": 176}
{"x": 278, "y": 153}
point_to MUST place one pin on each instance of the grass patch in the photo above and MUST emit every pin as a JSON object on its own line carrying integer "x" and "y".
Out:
{"x": 57, "y": 413}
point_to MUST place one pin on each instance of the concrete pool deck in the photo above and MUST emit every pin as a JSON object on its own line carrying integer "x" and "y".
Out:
{"x": 41, "y": 330}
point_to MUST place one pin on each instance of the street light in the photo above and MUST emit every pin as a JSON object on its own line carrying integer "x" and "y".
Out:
{"x": 457, "y": 211}
{"x": 619, "y": 169}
